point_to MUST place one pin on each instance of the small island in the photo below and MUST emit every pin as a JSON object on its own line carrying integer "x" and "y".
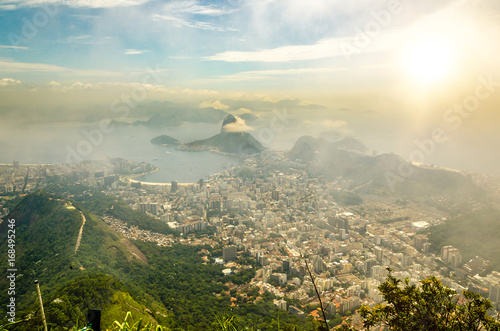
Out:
{"x": 165, "y": 141}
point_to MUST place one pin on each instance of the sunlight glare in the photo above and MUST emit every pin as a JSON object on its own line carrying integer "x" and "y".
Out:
{"x": 428, "y": 61}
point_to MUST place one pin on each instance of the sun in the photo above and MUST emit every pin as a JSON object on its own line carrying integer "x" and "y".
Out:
{"x": 428, "y": 61}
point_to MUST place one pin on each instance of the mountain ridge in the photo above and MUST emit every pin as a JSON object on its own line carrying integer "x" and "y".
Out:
{"x": 226, "y": 141}
{"x": 47, "y": 228}
{"x": 381, "y": 173}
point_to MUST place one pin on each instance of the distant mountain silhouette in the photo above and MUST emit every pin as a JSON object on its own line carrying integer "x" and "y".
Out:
{"x": 227, "y": 120}
{"x": 386, "y": 173}
{"x": 167, "y": 115}
{"x": 226, "y": 142}
{"x": 351, "y": 144}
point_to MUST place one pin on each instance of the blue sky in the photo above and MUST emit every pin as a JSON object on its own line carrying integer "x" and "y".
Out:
{"x": 265, "y": 46}
{"x": 380, "y": 66}
{"x": 112, "y": 40}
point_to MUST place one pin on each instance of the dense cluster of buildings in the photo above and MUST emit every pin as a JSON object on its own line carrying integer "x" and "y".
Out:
{"x": 285, "y": 219}
{"x": 289, "y": 222}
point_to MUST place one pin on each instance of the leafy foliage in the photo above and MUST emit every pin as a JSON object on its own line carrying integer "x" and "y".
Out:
{"x": 195, "y": 292}
{"x": 347, "y": 198}
{"x": 68, "y": 305}
{"x": 47, "y": 228}
{"x": 431, "y": 306}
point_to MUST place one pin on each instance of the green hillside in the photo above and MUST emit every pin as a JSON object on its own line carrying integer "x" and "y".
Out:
{"x": 67, "y": 307}
{"x": 195, "y": 291}
{"x": 46, "y": 221}
{"x": 47, "y": 231}
{"x": 476, "y": 233}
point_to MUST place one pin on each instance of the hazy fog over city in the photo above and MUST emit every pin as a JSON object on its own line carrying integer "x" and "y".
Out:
{"x": 250, "y": 164}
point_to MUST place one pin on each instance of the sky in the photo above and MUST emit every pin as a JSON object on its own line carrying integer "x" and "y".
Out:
{"x": 389, "y": 72}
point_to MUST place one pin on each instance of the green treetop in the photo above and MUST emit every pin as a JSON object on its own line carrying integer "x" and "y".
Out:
{"x": 430, "y": 306}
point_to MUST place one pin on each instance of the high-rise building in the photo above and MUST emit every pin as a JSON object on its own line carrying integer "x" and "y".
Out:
{"x": 215, "y": 204}
{"x": 173, "y": 186}
{"x": 281, "y": 304}
{"x": 378, "y": 271}
{"x": 407, "y": 261}
{"x": 369, "y": 264}
{"x": 455, "y": 258}
{"x": 419, "y": 242}
{"x": 444, "y": 252}
{"x": 451, "y": 255}
{"x": 143, "y": 207}
{"x": 343, "y": 234}
{"x": 494, "y": 292}
{"x": 153, "y": 208}
{"x": 379, "y": 253}
{"x": 317, "y": 264}
{"x": 286, "y": 266}
{"x": 108, "y": 180}
{"x": 229, "y": 253}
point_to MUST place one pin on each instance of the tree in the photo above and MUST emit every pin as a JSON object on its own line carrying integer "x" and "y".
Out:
{"x": 431, "y": 306}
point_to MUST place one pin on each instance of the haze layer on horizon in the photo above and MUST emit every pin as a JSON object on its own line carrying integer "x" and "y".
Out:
{"x": 395, "y": 74}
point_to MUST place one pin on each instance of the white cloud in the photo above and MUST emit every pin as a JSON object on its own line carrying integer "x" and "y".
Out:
{"x": 180, "y": 57}
{"x": 155, "y": 73}
{"x": 324, "y": 48}
{"x": 214, "y": 104}
{"x": 85, "y": 39}
{"x": 13, "y": 47}
{"x": 12, "y": 66}
{"x": 76, "y": 39}
{"x": 15, "y": 4}
{"x": 136, "y": 51}
{"x": 4, "y": 82}
{"x": 238, "y": 126}
{"x": 181, "y": 22}
{"x": 184, "y": 13}
{"x": 242, "y": 111}
{"x": 195, "y": 8}
{"x": 80, "y": 85}
{"x": 277, "y": 73}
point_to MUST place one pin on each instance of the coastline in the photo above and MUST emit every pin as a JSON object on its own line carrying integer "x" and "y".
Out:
{"x": 28, "y": 164}
{"x": 159, "y": 184}
{"x": 132, "y": 180}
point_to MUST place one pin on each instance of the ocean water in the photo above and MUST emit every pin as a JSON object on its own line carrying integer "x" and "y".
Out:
{"x": 59, "y": 143}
